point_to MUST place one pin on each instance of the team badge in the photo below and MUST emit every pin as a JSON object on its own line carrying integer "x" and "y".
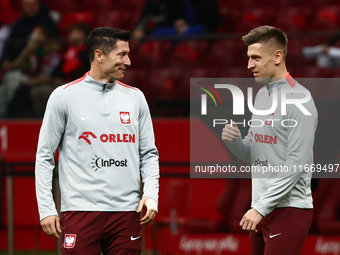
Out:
{"x": 125, "y": 117}
{"x": 269, "y": 119}
{"x": 70, "y": 241}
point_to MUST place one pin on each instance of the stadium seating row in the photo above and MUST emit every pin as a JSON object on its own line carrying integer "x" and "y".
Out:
{"x": 289, "y": 19}
{"x": 237, "y": 16}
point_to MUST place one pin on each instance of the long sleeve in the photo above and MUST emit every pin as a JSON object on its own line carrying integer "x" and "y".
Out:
{"x": 51, "y": 132}
{"x": 300, "y": 152}
{"x": 148, "y": 153}
{"x": 241, "y": 148}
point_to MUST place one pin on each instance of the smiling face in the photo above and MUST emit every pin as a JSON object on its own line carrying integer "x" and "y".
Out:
{"x": 115, "y": 63}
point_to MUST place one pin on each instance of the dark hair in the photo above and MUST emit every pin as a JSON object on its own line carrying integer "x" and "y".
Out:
{"x": 81, "y": 26}
{"x": 105, "y": 39}
{"x": 267, "y": 34}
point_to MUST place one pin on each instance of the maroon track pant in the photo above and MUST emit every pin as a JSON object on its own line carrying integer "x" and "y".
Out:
{"x": 281, "y": 232}
{"x": 113, "y": 233}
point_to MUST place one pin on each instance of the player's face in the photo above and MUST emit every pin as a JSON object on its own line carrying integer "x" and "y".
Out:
{"x": 261, "y": 62}
{"x": 117, "y": 61}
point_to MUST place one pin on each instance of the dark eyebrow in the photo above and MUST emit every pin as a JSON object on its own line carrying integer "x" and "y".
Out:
{"x": 254, "y": 56}
{"x": 122, "y": 52}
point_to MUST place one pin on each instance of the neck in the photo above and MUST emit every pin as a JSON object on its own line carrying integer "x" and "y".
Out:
{"x": 97, "y": 75}
{"x": 279, "y": 74}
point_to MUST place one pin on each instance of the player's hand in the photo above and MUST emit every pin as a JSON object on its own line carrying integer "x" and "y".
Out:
{"x": 150, "y": 213}
{"x": 250, "y": 220}
{"x": 51, "y": 226}
{"x": 230, "y": 133}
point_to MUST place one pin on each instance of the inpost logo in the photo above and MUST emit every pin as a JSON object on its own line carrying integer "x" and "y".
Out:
{"x": 98, "y": 163}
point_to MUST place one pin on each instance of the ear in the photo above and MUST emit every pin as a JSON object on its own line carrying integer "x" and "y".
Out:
{"x": 98, "y": 55}
{"x": 278, "y": 57}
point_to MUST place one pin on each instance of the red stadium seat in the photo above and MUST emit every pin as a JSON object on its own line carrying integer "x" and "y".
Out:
{"x": 310, "y": 3}
{"x": 325, "y": 19}
{"x": 229, "y": 17}
{"x": 7, "y": 13}
{"x": 193, "y": 49}
{"x": 163, "y": 82}
{"x": 263, "y": 15}
{"x": 96, "y": 6}
{"x": 188, "y": 54}
{"x": 322, "y": 25}
{"x": 233, "y": 4}
{"x": 233, "y": 51}
{"x": 254, "y": 17}
{"x": 74, "y": 17}
{"x": 316, "y": 72}
{"x": 214, "y": 61}
{"x": 312, "y": 40}
{"x": 279, "y": 4}
{"x": 181, "y": 61}
{"x": 135, "y": 6}
{"x": 183, "y": 88}
{"x": 160, "y": 50}
{"x": 136, "y": 78}
{"x": 244, "y": 26}
{"x": 290, "y": 20}
{"x": 63, "y": 6}
{"x": 142, "y": 61}
{"x": 236, "y": 72}
{"x": 294, "y": 57}
{"x": 114, "y": 18}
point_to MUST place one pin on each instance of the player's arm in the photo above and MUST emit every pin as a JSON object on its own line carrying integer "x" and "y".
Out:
{"x": 300, "y": 151}
{"x": 232, "y": 137}
{"x": 149, "y": 166}
{"x": 50, "y": 134}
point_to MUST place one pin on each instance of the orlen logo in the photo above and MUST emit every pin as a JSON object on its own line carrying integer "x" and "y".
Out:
{"x": 260, "y": 138}
{"x": 109, "y": 138}
{"x": 85, "y": 136}
{"x": 99, "y": 163}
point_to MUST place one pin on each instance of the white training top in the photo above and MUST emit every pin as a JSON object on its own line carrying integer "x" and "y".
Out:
{"x": 106, "y": 146}
{"x": 279, "y": 142}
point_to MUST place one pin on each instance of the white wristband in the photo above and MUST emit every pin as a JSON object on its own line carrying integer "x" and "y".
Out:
{"x": 151, "y": 204}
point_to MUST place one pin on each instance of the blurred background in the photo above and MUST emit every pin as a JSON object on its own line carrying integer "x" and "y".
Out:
{"x": 42, "y": 46}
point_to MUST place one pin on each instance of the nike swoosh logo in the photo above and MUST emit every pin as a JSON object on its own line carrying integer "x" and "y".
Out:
{"x": 271, "y": 236}
{"x": 85, "y": 118}
{"x": 134, "y": 238}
